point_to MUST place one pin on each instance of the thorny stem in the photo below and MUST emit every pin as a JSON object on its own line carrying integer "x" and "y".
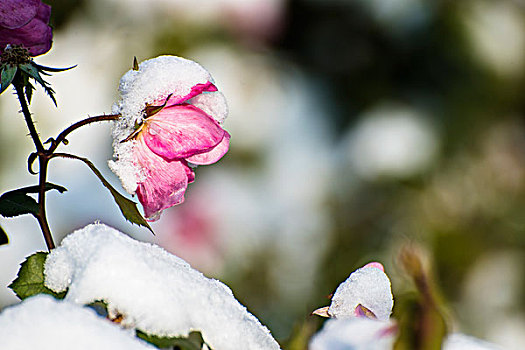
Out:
{"x": 27, "y": 115}
{"x": 42, "y": 162}
{"x": 44, "y": 156}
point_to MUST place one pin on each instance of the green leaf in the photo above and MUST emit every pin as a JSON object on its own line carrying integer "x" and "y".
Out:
{"x": 7, "y": 76}
{"x": 194, "y": 341}
{"x": 51, "y": 69}
{"x": 17, "y": 202}
{"x": 127, "y": 207}
{"x": 31, "y": 70}
{"x": 3, "y": 237}
{"x": 30, "y": 280}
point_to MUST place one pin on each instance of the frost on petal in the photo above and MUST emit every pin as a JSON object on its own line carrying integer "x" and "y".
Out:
{"x": 368, "y": 286}
{"x": 125, "y": 165}
{"x": 43, "y": 323}
{"x": 181, "y": 131}
{"x": 164, "y": 182}
{"x": 155, "y": 80}
{"x": 154, "y": 290}
{"x": 354, "y": 334}
{"x": 212, "y": 155}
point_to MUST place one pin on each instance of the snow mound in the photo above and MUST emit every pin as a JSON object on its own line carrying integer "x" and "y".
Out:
{"x": 153, "y": 290}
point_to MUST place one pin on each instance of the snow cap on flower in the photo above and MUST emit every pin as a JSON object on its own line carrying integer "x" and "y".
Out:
{"x": 366, "y": 293}
{"x": 171, "y": 116}
{"x": 369, "y": 287}
{"x": 154, "y": 291}
{"x": 161, "y": 76}
{"x": 25, "y": 23}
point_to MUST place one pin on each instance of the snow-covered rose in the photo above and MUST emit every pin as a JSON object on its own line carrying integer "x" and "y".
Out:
{"x": 171, "y": 116}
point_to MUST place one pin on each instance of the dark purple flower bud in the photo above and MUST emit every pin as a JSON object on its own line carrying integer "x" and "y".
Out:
{"x": 25, "y": 23}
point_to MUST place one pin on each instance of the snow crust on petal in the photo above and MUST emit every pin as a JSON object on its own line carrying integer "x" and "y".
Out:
{"x": 42, "y": 322}
{"x": 155, "y": 291}
{"x": 368, "y": 286}
{"x": 155, "y": 80}
{"x": 353, "y": 334}
{"x": 125, "y": 165}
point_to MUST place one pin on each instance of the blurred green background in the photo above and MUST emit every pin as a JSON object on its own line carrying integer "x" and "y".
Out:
{"x": 358, "y": 126}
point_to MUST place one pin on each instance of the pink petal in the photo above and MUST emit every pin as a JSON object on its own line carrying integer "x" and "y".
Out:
{"x": 181, "y": 131}
{"x": 214, "y": 154}
{"x": 190, "y": 174}
{"x": 17, "y": 13}
{"x": 195, "y": 90}
{"x": 165, "y": 181}
{"x": 376, "y": 264}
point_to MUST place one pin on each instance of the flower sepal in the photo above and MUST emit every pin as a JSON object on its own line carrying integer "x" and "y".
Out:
{"x": 17, "y": 67}
{"x": 7, "y": 74}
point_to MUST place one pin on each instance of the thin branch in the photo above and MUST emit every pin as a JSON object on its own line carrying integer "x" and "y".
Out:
{"x": 62, "y": 136}
{"x": 42, "y": 218}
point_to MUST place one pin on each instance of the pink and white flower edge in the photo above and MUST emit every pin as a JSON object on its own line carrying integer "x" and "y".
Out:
{"x": 171, "y": 117}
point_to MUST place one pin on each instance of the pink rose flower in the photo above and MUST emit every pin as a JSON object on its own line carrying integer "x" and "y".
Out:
{"x": 171, "y": 121}
{"x": 25, "y": 23}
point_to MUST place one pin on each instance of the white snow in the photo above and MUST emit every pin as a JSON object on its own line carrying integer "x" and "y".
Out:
{"x": 41, "y": 322}
{"x": 357, "y": 333}
{"x": 155, "y": 79}
{"x": 368, "y": 286}
{"x": 155, "y": 291}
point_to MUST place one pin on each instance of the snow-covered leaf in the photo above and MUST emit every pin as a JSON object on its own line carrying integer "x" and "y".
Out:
{"x": 30, "y": 280}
